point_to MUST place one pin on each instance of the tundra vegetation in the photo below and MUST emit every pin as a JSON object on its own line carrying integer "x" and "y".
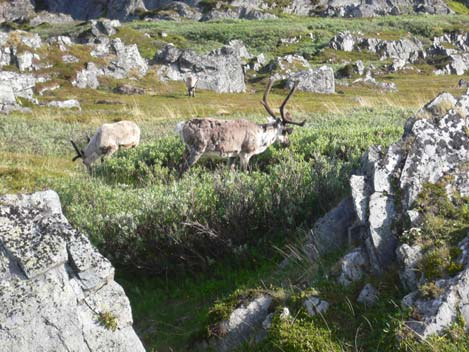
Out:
{"x": 189, "y": 248}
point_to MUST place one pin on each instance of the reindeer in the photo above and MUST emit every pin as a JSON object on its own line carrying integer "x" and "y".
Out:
{"x": 231, "y": 138}
{"x": 191, "y": 82}
{"x": 107, "y": 140}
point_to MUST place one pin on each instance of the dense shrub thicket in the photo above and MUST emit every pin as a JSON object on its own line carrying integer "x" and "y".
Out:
{"x": 139, "y": 212}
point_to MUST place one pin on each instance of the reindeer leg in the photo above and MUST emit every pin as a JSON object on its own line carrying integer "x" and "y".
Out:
{"x": 244, "y": 161}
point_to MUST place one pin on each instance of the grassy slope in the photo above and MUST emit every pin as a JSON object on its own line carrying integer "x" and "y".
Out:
{"x": 34, "y": 150}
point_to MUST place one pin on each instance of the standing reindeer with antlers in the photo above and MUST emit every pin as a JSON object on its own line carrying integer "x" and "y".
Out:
{"x": 230, "y": 138}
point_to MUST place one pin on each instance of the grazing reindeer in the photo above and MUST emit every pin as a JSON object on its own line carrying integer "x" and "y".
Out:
{"x": 191, "y": 82}
{"x": 107, "y": 140}
{"x": 230, "y": 138}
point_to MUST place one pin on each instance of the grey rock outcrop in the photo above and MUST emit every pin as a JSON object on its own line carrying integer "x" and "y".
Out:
{"x": 330, "y": 233}
{"x": 220, "y": 70}
{"x": 16, "y": 10}
{"x": 353, "y": 266}
{"x": 320, "y": 80}
{"x": 434, "y": 144}
{"x": 66, "y": 104}
{"x": 242, "y": 324}
{"x": 315, "y": 305}
{"x": 88, "y": 77}
{"x": 369, "y": 80}
{"x": 451, "y": 53}
{"x": 54, "y": 280}
{"x": 89, "y": 9}
{"x": 438, "y": 313}
{"x": 402, "y": 51}
{"x": 368, "y": 295}
{"x": 22, "y": 84}
{"x": 127, "y": 61}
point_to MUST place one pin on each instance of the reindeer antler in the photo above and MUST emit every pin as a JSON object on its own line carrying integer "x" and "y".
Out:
{"x": 286, "y": 117}
{"x": 264, "y": 99}
{"x": 79, "y": 153}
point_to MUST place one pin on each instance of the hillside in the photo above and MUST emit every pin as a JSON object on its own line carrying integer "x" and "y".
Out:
{"x": 329, "y": 244}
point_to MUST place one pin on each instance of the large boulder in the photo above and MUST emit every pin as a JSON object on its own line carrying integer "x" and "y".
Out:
{"x": 320, "y": 80}
{"x": 14, "y": 10}
{"x": 57, "y": 291}
{"x": 220, "y": 70}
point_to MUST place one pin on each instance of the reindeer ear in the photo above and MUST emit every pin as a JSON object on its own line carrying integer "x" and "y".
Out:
{"x": 289, "y": 130}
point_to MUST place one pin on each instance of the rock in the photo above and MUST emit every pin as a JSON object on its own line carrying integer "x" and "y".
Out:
{"x": 344, "y": 41}
{"x": 7, "y": 98}
{"x": 220, "y": 70}
{"x": 104, "y": 27}
{"x": 127, "y": 89}
{"x": 330, "y": 232}
{"x": 241, "y": 324}
{"x": 368, "y": 295}
{"x": 319, "y": 80}
{"x": 66, "y": 104}
{"x": 24, "y": 61}
{"x": 22, "y": 84}
{"x": 15, "y": 10}
{"x": 462, "y": 83}
{"x": 361, "y": 196}
{"x": 438, "y": 313}
{"x": 371, "y": 81}
{"x": 53, "y": 279}
{"x": 128, "y": 61}
{"x": 288, "y": 64}
{"x": 70, "y": 59}
{"x": 315, "y": 305}
{"x": 50, "y": 18}
{"x": 89, "y": 9}
{"x": 434, "y": 145}
{"x": 438, "y": 147}
{"x": 408, "y": 258}
{"x": 353, "y": 266}
{"x": 359, "y": 67}
{"x": 88, "y": 77}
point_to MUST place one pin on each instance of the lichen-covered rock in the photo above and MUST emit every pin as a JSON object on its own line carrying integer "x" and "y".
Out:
{"x": 320, "y": 80}
{"x": 242, "y": 324}
{"x": 54, "y": 280}
{"x": 438, "y": 313}
{"x": 22, "y": 84}
{"x": 220, "y": 70}
{"x": 353, "y": 266}
{"x": 368, "y": 295}
{"x": 66, "y": 104}
{"x": 408, "y": 258}
{"x": 315, "y": 305}
{"x": 127, "y": 62}
{"x": 330, "y": 233}
{"x": 14, "y": 10}
{"x": 88, "y": 77}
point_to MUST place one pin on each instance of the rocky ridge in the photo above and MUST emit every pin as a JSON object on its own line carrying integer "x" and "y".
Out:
{"x": 433, "y": 149}
{"x": 54, "y": 280}
{"x": 199, "y": 10}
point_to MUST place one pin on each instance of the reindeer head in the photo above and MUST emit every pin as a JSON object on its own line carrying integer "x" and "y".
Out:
{"x": 286, "y": 118}
{"x": 81, "y": 154}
